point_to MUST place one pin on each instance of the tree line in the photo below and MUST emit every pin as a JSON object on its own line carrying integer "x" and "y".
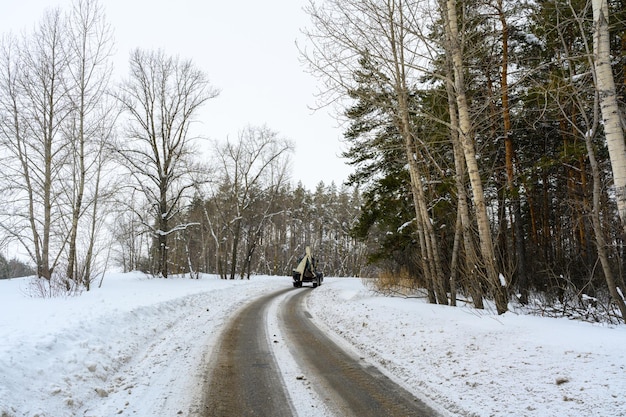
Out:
{"x": 96, "y": 171}
{"x": 266, "y": 234}
{"x": 487, "y": 139}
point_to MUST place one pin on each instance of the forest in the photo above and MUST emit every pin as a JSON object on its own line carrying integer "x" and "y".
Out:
{"x": 256, "y": 232}
{"x": 485, "y": 139}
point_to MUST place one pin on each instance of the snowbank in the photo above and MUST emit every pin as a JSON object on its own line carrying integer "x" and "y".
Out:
{"x": 478, "y": 363}
{"x": 134, "y": 347}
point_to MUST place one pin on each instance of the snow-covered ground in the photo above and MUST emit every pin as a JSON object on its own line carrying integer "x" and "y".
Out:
{"x": 137, "y": 346}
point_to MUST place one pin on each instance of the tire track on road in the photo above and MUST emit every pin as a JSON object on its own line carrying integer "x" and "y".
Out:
{"x": 346, "y": 384}
{"x": 244, "y": 379}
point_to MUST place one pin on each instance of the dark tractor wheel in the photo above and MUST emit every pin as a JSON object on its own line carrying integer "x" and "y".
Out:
{"x": 296, "y": 280}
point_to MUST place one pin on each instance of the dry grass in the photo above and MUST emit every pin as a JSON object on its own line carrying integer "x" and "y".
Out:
{"x": 397, "y": 283}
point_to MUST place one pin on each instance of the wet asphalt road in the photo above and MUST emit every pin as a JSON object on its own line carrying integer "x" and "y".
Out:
{"x": 244, "y": 379}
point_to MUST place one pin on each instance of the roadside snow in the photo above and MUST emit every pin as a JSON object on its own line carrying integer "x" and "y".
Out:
{"x": 134, "y": 347}
{"x": 138, "y": 346}
{"x": 305, "y": 400}
{"x": 478, "y": 363}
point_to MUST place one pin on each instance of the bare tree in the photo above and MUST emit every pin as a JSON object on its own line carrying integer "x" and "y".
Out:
{"x": 34, "y": 106}
{"x": 267, "y": 206}
{"x": 463, "y": 225}
{"x": 56, "y": 124}
{"x": 344, "y": 32}
{"x": 496, "y": 280}
{"x": 585, "y": 124}
{"x": 128, "y": 234}
{"x": 162, "y": 97}
{"x": 90, "y": 125}
{"x": 254, "y": 166}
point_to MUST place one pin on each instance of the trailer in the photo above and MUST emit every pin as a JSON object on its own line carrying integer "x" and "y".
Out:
{"x": 306, "y": 271}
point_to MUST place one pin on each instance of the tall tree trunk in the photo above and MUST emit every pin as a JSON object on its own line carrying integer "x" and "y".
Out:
{"x": 616, "y": 295}
{"x": 475, "y": 286}
{"x": 79, "y": 187}
{"x": 89, "y": 255}
{"x": 611, "y": 114}
{"x": 513, "y": 190}
{"x": 49, "y": 123}
{"x": 163, "y": 231}
{"x": 235, "y": 248}
{"x": 432, "y": 262}
{"x": 498, "y": 286}
{"x": 454, "y": 262}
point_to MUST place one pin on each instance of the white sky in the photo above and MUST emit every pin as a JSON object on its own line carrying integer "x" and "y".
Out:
{"x": 247, "y": 48}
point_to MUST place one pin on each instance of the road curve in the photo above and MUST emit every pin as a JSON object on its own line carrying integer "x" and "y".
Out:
{"x": 244, "y": 380}
{"x": 347, "y": 385}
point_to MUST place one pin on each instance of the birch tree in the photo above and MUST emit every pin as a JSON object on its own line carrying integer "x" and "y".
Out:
{"x": 463, "y": 227}
{"x": 34, "y": 106}
{"x": 586, "y": 125}
{"x": 162, "y": 97}
{"x": 343, "y": 33}
{"x": 90, "y": 125}
{"x": 611, "y": 114}
{"x": 496, "y": 280}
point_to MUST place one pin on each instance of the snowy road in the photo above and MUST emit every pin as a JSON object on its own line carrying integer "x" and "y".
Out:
{"x": 349, "y": 385}
{"x": 246, "y": 379}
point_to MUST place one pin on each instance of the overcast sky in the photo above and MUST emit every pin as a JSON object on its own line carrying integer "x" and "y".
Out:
{"x": 247, "y": 48}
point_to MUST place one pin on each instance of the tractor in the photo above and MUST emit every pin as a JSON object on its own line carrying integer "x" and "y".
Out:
{"x": 306, "y": 271}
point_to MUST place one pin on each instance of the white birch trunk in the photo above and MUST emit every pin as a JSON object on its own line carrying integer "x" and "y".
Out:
{"x": 608, "y": 104}
{"x": 465, "y": 135}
